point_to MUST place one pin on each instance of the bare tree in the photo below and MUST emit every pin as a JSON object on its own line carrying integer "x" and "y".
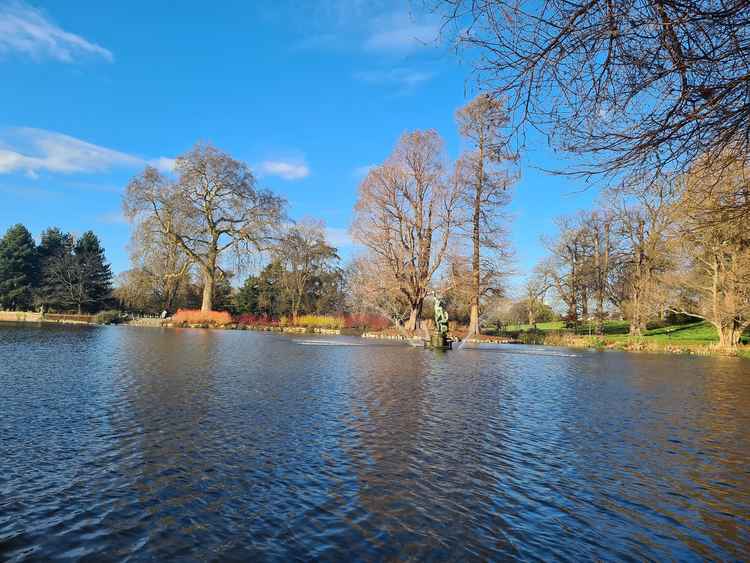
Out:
{"x": 404, "y": 215}
{"x": 302, "y": 252}
{"x": 159, "y": 260}
{"x": 485, "y": 190}
{"x": 713, "y": 257}
{"x": 566, "y": 269}
{"x": 600, "y": 245}
{"x": 371, "y": 291}
{"x": 535, "y": 288}
{"x": 213, "y": 207}
{"x": 649, "y": 84}
{"x": 643, "y": 217}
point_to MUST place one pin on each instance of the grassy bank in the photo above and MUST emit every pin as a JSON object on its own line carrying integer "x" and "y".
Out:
{"x": 691, "y": 338}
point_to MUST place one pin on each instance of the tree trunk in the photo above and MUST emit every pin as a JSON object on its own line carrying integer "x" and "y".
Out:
{"x": 474, "y": 320}
{"x": 728, "y": 336}
{"x": 475, "y": 262}
{"x": 413, "y": 323}
{"x": 208, "y": 291}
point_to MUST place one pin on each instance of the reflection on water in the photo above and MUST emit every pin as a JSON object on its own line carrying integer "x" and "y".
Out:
{"x": 125, "y": 442}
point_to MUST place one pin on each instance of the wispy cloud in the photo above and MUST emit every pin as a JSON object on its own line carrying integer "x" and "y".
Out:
{"x": 400, "y": 33}
{"x": 24, "y": 149}
{"x": 402, "y": 77}
{"x": 27, "y": 30}
{"x": 285, "y": 169}
{"x": 163, "y": 164}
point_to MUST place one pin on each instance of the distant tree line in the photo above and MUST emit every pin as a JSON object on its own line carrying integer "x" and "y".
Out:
{"x": 649, "y": 252}
{"x": 62, "y": 273}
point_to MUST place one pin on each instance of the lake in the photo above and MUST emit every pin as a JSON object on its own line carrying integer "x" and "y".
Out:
{"x": 124, "y": 442}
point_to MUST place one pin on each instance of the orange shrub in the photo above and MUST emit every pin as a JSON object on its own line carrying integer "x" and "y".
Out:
{"x": 198, "y": 317}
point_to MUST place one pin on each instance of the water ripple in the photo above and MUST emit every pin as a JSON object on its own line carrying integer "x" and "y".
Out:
{"x": 122, "y": 443}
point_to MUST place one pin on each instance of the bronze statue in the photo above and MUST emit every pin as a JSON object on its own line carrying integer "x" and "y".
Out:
{"x": 439, "y": 337}
{"x": 441, "y": 317}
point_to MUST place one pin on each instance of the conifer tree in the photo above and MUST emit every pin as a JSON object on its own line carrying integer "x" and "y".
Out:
{"x": 55, "y": 250}
{"x": 18, "y": 267}
{"x": 94, "y": 273}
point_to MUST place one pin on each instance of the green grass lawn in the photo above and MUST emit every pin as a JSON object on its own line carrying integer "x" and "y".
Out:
{"x": 699, "y": 332}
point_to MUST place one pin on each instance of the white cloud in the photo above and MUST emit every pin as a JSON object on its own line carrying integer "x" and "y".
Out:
{"x": 401, "y": 33}
{"x": 288, "y": 170}
{"x": 338, "y": 237}
{"x": 405, "y": 78}
{"x": 28, "y": 150}
{"x": 163, "y": 164}
{"x": 26, "y": 30}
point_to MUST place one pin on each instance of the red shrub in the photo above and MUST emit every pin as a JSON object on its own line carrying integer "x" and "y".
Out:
{"x": 255, "y": 320}
{"x": 197, "y": 317}
{"x": 368, "y": 321}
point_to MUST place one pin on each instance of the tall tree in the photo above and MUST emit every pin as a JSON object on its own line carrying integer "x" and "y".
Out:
{"x": 713, "y": 256}
{"x": 94, "y": 272}
{"x": 404, "y": 215}
{"x": 160, "y": 260}
{"x": 78, "y": 275}
{"x": 643, "y": 218}
{"x": 599, "y": 238}
{"x": 18, "y": 268}
{"x": 304, "y": 254}
{"x": 566, "y": 268}
{"x": 485, "y": 183}
{"x": 213, "y": 207}
{"x": 55, "y": 247}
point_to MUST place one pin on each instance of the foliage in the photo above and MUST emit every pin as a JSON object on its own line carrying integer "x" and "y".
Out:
{"x": 93, "y": 271}
{"x": 18, "y": 268}
{"x": 366, "y": 321}
{"x": 313, "y": 321}
{"x": 200, "y": 317}
{"x": 248, "y": 319}
{"x": 61, "y": 274}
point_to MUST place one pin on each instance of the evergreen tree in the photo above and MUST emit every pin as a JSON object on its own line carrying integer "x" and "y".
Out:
{"x": 55, "y": 253}
{"x": 246, "y": 298}
{"x": 18, "y": 268}
{"x": 94, "y": 273}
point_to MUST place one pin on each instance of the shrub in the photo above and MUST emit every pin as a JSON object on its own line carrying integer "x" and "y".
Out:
{"x": 370, "y": 322}
{"x": 198, "y": 317}
{"x": 256, "y": 320}
{"x": 317, "y": 321}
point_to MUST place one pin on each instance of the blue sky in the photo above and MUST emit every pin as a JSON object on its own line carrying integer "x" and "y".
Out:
{"x": 308, "y": 96}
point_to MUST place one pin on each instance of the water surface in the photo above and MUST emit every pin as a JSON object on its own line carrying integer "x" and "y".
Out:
{"x": 124, "y": 442}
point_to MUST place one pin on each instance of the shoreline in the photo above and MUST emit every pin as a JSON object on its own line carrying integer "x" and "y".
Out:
{"x": 601, "y": 343}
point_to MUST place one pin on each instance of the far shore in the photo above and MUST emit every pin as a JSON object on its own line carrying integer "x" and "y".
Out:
{"x": 623, "y": 343}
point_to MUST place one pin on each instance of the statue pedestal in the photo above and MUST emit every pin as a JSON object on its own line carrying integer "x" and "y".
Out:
{"x": 440, "y": 341}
